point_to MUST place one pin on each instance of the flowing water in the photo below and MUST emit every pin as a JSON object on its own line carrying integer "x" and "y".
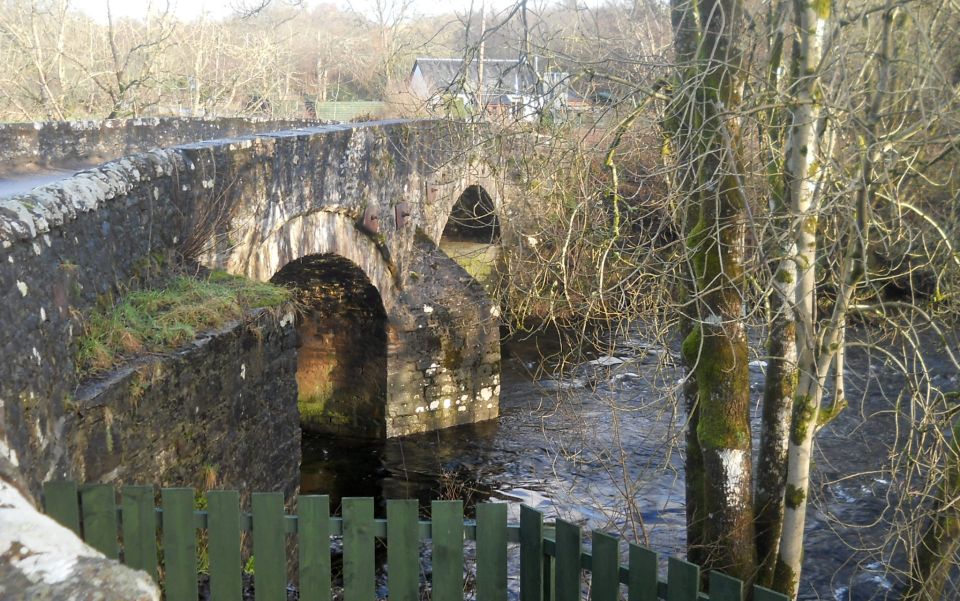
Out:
{"x": 603, "y": 448}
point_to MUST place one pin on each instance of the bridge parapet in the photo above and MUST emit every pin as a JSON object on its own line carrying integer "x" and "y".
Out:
{"x": 25, "y": 146}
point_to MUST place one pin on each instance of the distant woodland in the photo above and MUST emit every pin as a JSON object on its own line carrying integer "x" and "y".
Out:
{"x": 279, "y": 60}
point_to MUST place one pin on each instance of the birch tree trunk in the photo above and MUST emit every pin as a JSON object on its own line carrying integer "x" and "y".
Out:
{"x": 802, "y": 172}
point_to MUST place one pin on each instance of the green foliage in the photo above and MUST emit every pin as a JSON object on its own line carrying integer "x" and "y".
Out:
{"x": 160, "y": 319}
{"x": 203, "y": 543}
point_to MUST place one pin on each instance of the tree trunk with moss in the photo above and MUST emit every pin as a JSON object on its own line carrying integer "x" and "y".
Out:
{"x": 781, "y": 373}
{"x": 779, "y": 389}
{"x": 716, "y": 347}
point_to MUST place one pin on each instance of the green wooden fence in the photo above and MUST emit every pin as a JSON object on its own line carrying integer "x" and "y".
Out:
{"x": 553, "y": 562}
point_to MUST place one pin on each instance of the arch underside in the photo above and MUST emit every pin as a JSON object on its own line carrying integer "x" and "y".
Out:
{"x": 473, "y": 217}
{"x": 471, "y": 236}
{"x": 342, "y": 349}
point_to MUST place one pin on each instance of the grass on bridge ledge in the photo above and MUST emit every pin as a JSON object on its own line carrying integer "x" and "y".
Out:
{"x": 160, "y": 319}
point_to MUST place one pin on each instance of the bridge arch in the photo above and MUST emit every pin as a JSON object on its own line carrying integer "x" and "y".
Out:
{"x": 342, "y": 356}
{"x": 260, "y": 255}
{"x": 352, "y": 307}
{"x": 441, "y": 355}
{"x": 474, "y": 217}
{"x": 471, "y": 236}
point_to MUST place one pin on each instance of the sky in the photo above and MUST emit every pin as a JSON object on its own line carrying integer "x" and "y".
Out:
{"x": 191, "y": 9}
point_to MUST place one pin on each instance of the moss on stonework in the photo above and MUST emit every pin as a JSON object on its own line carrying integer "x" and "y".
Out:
{"x": 452, "y": 357}
{"x": 162, "y": 318}
{"x": 794, "y": 496}
{"x": 314, "y": 397}
{"x": 27, "y": 401}
{"x": 803, "y": 416}
{"x": 138, "y": 387}
{"x": 315, "y": 412}
{"x": 421, "y": 236}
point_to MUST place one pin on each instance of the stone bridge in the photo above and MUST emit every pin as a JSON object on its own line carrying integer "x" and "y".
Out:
{"x": 397, "y": 339}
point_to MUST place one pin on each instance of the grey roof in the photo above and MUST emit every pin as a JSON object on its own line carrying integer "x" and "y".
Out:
{"x": 499, "y": 76}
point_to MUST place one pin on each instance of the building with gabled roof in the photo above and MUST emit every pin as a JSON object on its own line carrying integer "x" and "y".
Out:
{"x": 432, "y": 76}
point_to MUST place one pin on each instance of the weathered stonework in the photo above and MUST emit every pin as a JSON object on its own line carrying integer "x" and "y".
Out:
{"x": 41, "y": 560}
{"x": 219, "y": 412}
{"x": 44, "y": 144}
{"x": 342, "y": 358}
{"x": 250, "y": 206}
{"x": 450, "y": 372}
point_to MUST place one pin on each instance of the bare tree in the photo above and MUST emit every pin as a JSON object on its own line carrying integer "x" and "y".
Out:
{"x": 793, "y": 147}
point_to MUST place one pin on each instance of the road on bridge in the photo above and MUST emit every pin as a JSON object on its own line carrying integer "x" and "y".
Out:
{"x": 21, "y": 183}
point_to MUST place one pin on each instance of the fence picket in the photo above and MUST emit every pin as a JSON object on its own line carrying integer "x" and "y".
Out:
{"x": 683, "y": 580}
{"x": 725, "y": 588}
{"x": 531, "y": 554}
{"x": 567, "y": 576}
{"x": 179, "y": 544}
{"x": 314, "y": 544}
{"x": 140, "y": 529}
{"x": 269, "y": 553}
{"x": 549, "y": 578}
{"x": 492, "y": 552}
{"x": 358, "y": 572}
{"x": 98, "y": 505}
{"x": 447, "y": 539}
{"x": 223, "y": 545}
{"x": 403, "y": 550}
{"x": 62, "y": 504}
{"x": 764, "y": 594}
{"x": 642, "y": 583}
{"x": 605, "y": 581}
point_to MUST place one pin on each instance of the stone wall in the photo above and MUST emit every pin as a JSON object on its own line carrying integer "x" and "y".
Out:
{"x": 66, "y": 248}
{"x": 219, "y": 412}
{"x": 46, "y": 144}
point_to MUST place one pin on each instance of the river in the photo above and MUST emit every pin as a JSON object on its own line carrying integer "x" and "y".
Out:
{"x": 602, "y": 447}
